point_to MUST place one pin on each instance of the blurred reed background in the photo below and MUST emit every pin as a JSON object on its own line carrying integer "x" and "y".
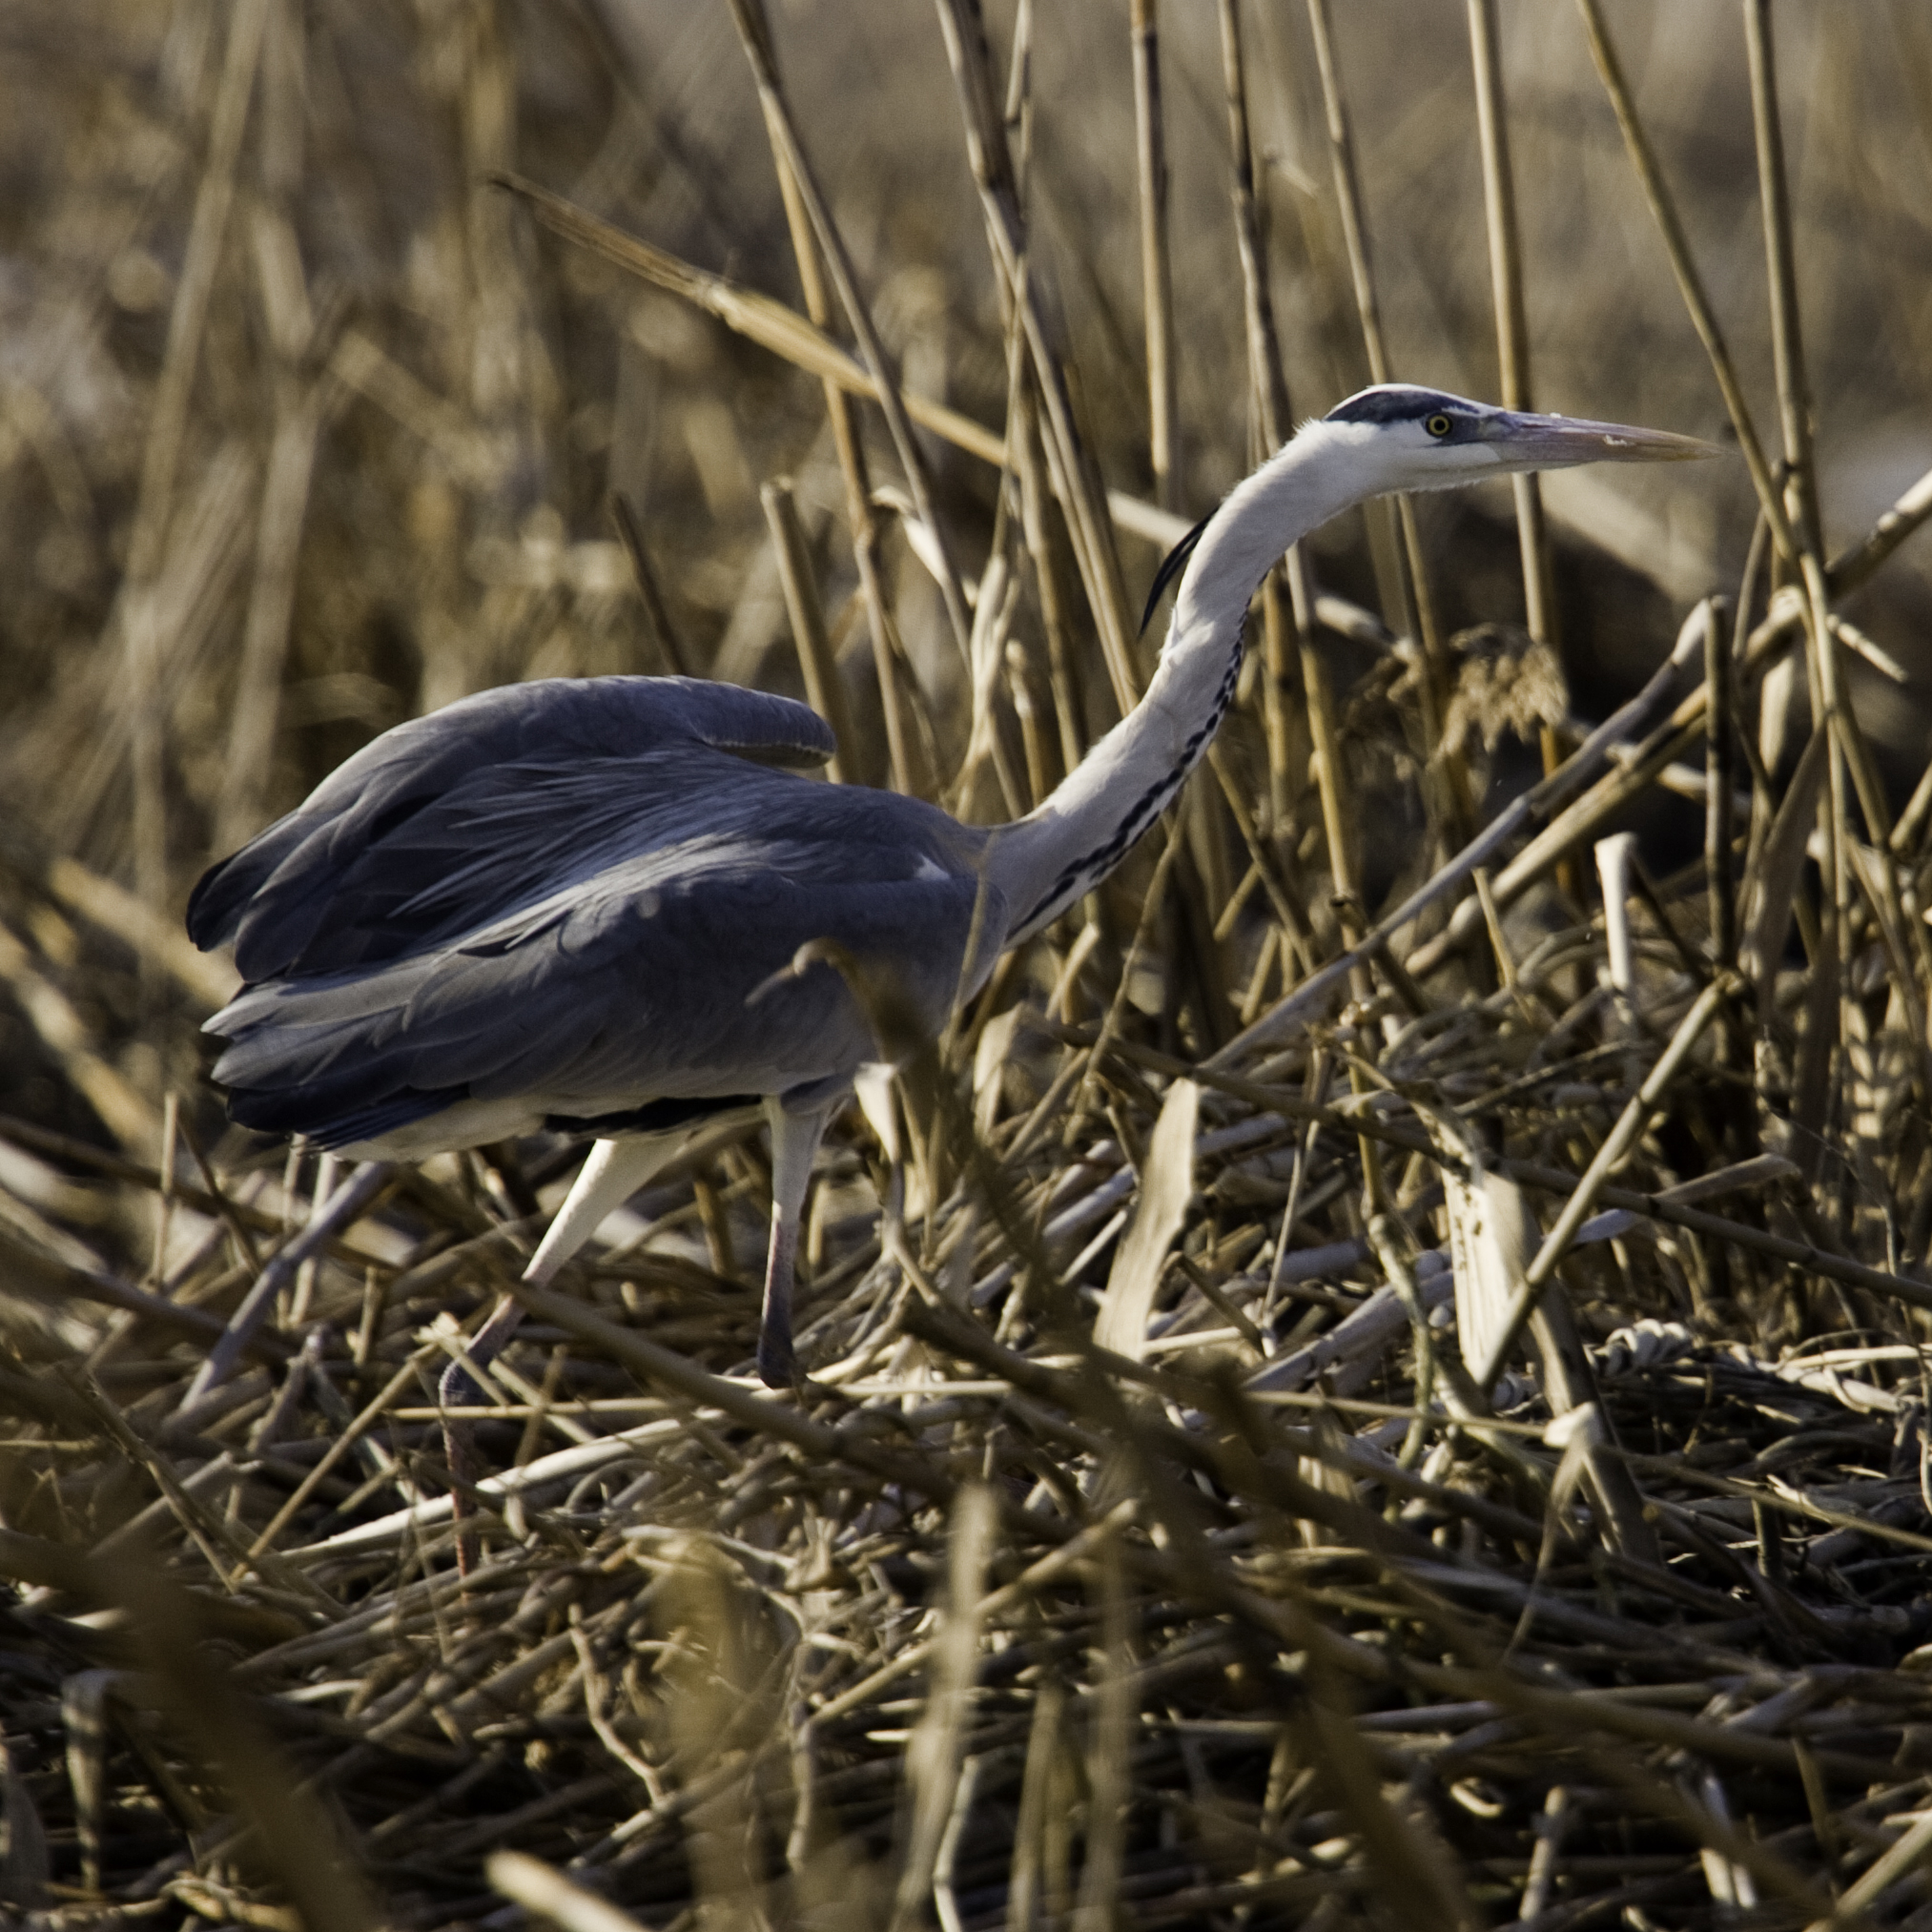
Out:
{"x": 309, "y": 423}
{"x": 308, "y": 430}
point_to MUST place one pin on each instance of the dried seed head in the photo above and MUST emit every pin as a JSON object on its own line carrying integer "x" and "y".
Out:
{"x": 1506, "y": 682}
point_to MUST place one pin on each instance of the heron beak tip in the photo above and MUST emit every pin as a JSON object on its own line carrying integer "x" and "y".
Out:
{"x": 1661, "y": 446}
{"x": 1561, "y": 442}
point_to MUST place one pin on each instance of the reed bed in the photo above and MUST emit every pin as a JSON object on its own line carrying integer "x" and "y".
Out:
{"x": 1377, "y": 1374}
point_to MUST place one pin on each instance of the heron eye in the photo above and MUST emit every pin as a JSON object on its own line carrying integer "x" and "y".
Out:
{"x": 1438, "y": 424}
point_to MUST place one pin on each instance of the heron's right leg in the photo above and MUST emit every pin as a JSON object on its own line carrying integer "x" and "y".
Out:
{"x": 794, "y": 1142}
{"x": 614, "y": 1171}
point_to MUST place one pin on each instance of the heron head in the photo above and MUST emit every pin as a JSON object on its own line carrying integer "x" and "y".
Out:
{"x": 1429, "y": 440}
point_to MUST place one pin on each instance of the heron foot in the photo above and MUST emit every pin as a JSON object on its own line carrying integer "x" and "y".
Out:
{"x": 794, "y": 1141}
{"x": 777, "y": 1365}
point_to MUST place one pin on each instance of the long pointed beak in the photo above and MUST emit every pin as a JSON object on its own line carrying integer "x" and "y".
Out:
{"x": 1553, "y": 442}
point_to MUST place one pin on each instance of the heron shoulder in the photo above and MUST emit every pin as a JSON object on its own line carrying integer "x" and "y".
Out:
{"x": 718, "y": 966}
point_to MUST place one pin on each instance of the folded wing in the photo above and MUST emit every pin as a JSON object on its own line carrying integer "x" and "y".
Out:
{"x": 585, "y": 938}
{"x": 454, "y": 819}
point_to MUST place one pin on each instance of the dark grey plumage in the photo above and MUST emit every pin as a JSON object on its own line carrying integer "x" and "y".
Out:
{"x": 1404, "y": 402}
{"x": 581, "y": 898}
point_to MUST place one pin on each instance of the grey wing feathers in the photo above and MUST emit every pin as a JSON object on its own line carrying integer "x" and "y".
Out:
{"x": 684, "y": 994}
{"x": 600, "y": 939}
{"x": 455, "y": 806}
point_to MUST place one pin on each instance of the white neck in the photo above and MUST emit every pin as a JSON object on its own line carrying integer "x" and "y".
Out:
{"x": 1059, "y": 852}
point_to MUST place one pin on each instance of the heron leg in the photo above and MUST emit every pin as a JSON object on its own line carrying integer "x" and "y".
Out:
{"x": 794, "y": 1142}
{"x": 614, "y": 1171}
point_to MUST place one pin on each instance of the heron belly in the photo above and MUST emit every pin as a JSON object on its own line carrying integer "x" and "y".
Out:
{"x": 468, "y": 1124}
{"x": 477, "y": 1123}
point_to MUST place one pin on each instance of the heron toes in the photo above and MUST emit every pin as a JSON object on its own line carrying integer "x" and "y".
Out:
{"x": 777, "y": 1365}
{"x": 459, "y": 1387}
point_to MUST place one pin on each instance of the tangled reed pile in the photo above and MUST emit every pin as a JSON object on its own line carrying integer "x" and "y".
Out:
{"x": 1378, "y": 1374}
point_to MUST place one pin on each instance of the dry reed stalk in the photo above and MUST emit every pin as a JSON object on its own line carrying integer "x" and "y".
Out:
{"x": 544, "y": 1890}
{"x": 304, "y": 396}
{"x": 1415, "y": 606}
{"x": 1513, "y": 343}
{"x": 1800, "y": 494}
{"x": 143, "y": 645}
{"x": 1270, "y": 414}
{"x": 1076, "y": 478}
{"x": 838, "y": 265}
{"x": 1513, "y": 329}
{"x": 1157, "y": 273}
{"x": 1663, "y": 209}
{"x": 789, "y": 336}
{"x": 664, "y": 634}
{"x": 1096, "y": 1908}
{"x": 823, "y": 685}
{"x": 1573, "y": 823}
{"x": 1666, "y": 1206}
{"x": 1855, "y": 565}
{"x": 861, "y": 517}
{"x": 932, "y": 1755}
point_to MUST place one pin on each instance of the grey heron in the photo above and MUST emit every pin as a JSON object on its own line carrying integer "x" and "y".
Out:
{"x": 590, "y": 905}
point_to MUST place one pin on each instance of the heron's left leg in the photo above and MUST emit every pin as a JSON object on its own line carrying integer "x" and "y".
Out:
{"x": 614, "y": 1171}
{"x": 794, "y": 1142}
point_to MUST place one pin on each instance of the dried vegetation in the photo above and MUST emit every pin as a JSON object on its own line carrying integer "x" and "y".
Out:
{"x": 1373, "y": 1378}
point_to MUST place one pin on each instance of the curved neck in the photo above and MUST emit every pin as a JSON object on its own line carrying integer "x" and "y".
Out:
{"x": 1060, "y": 851}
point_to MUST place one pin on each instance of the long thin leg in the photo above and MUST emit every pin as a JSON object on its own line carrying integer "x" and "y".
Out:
{"x": 614, "y": 1171}
{"x": 794, "y": 1142}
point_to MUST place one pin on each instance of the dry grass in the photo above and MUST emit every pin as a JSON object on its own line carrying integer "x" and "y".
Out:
{"x": 1500, "y": 1495}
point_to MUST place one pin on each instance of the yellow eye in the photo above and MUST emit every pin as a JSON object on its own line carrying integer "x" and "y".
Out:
{"x": 1438, "y": 424}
